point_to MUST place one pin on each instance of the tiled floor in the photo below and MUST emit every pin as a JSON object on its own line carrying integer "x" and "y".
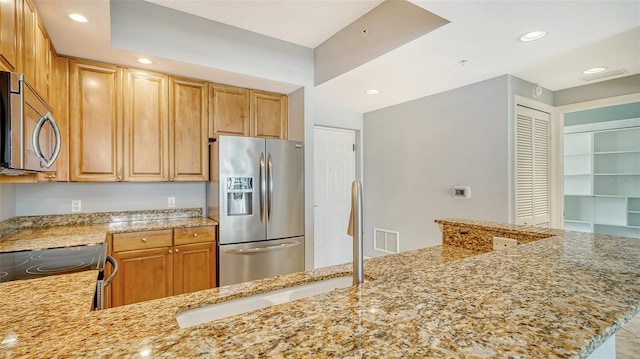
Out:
{"x": 628, "y": 340}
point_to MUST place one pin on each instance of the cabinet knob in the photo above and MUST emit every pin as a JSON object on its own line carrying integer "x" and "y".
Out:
{"x": 144, "y": 240}
{"x": 172, "y": 178}
{"x": 177, "y": 250}
{"x": 119, "y": 178}
{"x": 170, "y": 251}
{"x": 195, "y": 234}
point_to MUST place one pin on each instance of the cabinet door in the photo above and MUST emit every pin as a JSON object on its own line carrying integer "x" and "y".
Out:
{"x": 95, "y": 121}
{"x": 188, "y": 130}
{"x": 194, "y": 267}
{"x": 30, "y": 24}
{"x": 269, "y": 115}
{"x": 42, "y": 61}
{"x": 9, "y": 34}
{"x": 59, "y": 101}
{"x": 146, "y": 126}
{"x": 142, "y": 275}
{"x": 229, "y": 110}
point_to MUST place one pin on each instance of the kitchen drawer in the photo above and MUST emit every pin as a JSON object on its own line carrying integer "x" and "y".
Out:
{"x": 195, "y": 235}
{"x": 142, "y": 240}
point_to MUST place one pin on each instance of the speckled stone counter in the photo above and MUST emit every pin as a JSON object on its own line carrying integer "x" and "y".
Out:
{"x": 478, "y": 235}
{"x": 561, "y": 296}
{"x": 74, "y": 230}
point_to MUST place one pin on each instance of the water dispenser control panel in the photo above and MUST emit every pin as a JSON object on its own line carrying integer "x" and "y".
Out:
{"x": 239, "y": 196}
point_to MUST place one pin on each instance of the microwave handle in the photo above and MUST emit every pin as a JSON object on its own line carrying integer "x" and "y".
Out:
{"x": 36, "y": 140}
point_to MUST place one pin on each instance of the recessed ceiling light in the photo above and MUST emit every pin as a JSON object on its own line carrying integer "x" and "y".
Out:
{"x": 593, "y": 70}
{"x": 145, "y": 61}
{"x": 372, "y": 92}
{"x": 533, "y": 35}
{"x": 78, "y": 18}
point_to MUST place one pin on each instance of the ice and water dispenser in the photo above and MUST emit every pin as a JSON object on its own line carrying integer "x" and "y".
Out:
{"x": 239, "y": 196}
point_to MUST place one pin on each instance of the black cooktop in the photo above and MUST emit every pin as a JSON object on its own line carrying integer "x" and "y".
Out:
{"x": 38, "y": 263}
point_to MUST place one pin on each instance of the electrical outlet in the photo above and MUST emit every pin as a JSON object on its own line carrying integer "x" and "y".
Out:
{"x": 502, "y": 243}
{"x": 171, "y": 202}
{"x": 76, "y": 205}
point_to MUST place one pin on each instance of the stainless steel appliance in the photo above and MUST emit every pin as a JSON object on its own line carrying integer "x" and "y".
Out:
{"x": 37, "y": 263}
{"x": 29, "y": 136}
{"x": 256, "y": 194}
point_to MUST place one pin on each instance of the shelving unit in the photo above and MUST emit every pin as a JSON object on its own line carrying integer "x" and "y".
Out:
{"x": 602, "y": 178}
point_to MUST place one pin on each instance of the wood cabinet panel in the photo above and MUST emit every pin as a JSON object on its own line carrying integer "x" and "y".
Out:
{"x": 95, "y": 121}
{"x": 146, "y": 126}
{"x": 188, "y": 130}
{"x": 142, "y": 275}
{"x": 194, "y": 267}
{"x": 229, "y": 110}
{"x": 194, "y": 235}
{"x": 269, "y": 115}
{"x": 28, "y": 46}
{"x": 142, "y": 240}
{"x": 10, "y": 34}
{"x": 42, "y": 59}
{"x": 59, "y": 101}
{"x": 152, "y": 264}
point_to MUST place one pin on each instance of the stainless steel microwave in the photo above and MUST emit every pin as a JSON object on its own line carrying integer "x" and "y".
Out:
{"x": 29, "y": 136}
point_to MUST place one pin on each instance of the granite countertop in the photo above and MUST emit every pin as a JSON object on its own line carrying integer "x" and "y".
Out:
{"x": 562, "y": 296}
{"x": 82, "y": 234}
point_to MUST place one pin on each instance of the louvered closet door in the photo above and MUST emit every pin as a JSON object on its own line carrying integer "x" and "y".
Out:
{"x": 532, "y": 167}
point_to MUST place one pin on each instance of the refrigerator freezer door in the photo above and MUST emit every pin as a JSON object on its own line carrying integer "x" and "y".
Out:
{"x": 285, "y": 187}
{"x": 241, "y": 193}
{"x": 249, "y": 261}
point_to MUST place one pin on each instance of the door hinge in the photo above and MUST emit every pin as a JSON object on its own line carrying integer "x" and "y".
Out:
{"x": 354, "y": 147}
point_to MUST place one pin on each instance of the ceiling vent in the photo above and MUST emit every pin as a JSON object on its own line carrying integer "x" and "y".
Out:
{"x": 605, "y": 74}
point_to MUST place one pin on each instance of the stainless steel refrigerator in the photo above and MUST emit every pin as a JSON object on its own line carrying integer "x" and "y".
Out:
{"x": 256, "y": 194}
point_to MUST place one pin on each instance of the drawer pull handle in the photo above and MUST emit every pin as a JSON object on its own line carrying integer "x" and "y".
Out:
{"x": 144, "y": 240}
{"x": 195, "y": 234}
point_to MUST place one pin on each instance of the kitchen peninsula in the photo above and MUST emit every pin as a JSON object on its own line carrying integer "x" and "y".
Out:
{"x": 559, "y": 296}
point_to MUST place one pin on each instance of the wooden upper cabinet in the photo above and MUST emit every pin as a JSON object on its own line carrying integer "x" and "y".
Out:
{"x": 30, "y": 27}
{"x": 188, "y": 130}
{"x": 10, "y": 31}
{"x": 228, "y": 110}
{"x": 146, "y": 126}
{"x": 41, "y": 82}
{"x": 59, "y": 102}
{"x": 95, "y": 121}
{"x": 269, "y": 115}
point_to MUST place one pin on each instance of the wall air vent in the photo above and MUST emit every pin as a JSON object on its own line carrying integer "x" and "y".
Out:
{"x": 386, "y": 241}
{"x": 602, "y": 75}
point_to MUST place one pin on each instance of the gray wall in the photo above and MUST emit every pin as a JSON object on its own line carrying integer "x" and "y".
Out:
{"x": 417, "y": 151}
{"x": 55, "y": 198}
{"x": 7, "y": 201}
{"x": 599, "y": 90}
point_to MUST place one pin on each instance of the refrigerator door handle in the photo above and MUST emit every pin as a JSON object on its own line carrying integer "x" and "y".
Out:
{"x": 270, "y": 183}
{"x": 263, "y": 188}
{"x": 263, "y": 249}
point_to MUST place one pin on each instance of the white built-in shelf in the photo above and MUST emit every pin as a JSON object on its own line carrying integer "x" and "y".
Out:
{"x": 613, "y": 152}
{"x": 616, "y": 174}
{"x": 602, "y": 178}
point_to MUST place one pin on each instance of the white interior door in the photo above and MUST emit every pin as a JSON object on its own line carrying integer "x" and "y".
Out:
{"x": 335, "y": 166}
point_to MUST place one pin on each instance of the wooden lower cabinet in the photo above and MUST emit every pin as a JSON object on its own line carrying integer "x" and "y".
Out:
{"x": 158, "y": 264}
{"x": 192, "y": 267}
{"x": 142, "y": 275}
